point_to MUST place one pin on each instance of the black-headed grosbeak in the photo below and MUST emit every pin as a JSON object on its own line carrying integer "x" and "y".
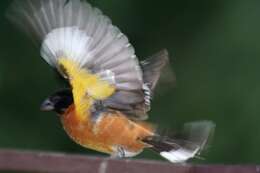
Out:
{"x": 110, "y": 91}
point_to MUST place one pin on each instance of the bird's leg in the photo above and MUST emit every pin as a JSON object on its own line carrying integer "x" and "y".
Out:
{"x": 119, "y": 153}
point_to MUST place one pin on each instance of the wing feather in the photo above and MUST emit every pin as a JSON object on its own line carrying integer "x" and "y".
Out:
{"x": 76, "y": 30}
{"x": 56, "y": 25}
{"x": 136, "y": 103}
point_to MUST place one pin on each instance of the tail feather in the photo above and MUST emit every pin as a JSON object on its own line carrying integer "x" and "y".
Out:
{"x": 195, "y": 138}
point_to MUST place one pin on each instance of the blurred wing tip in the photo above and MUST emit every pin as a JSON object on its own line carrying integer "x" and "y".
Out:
{"x": 156, "y": 65}
{"x": 164, "y": 53}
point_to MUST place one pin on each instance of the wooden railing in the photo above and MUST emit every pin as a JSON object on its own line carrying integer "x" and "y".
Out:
{"x": 11, "y": 160}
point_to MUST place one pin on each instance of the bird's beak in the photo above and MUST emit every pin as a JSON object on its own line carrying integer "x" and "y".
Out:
{"x": 47, "y": 105}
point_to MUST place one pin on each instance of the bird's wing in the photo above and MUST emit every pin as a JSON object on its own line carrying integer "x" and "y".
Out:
{"x": 73, "y": 29}
{"x": 136, "y": 103}
{"x": 76, "y": 30}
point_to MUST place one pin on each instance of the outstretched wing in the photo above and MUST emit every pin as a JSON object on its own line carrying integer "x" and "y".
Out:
{"x": 75, "y": 30}
{"x": 136, "y": 103}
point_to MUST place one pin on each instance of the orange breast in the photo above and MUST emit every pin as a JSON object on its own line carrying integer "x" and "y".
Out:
{"x": 107, "y": 132}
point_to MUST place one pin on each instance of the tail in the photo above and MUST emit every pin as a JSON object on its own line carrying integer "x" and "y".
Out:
{"x": 195, "y": 138}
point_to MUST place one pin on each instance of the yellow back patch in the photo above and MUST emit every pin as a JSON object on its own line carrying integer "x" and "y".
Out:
{"x": 86, "y": 87}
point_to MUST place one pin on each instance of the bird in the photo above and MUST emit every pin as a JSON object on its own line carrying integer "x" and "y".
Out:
{"x": 105, "y": 106}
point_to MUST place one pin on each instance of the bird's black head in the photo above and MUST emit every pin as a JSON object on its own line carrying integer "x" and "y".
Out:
{"x": 58, "y": 102}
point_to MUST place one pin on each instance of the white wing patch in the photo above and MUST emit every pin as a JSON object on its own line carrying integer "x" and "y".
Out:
{"x": 69, "y": 42}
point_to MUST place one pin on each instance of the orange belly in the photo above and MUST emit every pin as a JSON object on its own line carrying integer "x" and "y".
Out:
{"x": 110, "y": 131}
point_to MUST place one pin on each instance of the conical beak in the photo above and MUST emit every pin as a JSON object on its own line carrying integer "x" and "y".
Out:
{"x": 47, "y": 105}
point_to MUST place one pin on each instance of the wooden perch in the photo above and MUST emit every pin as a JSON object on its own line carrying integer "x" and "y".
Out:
{"x": 11, "y": 160}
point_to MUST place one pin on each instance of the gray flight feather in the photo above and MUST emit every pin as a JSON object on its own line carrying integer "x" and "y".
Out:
{"x": 136, "y": 103}
{"x": 153, "y": 66}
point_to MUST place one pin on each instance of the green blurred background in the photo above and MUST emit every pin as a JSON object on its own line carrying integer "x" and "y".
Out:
{"x": 215, "y": 53}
